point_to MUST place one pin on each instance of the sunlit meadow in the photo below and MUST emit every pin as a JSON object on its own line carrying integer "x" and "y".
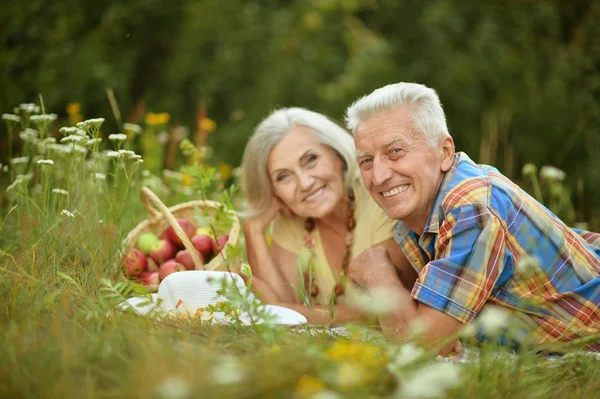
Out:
{"x": 70, "y": 195}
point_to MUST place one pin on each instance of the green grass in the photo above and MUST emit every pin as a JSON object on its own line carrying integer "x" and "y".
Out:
{"x": 59, "y": 278}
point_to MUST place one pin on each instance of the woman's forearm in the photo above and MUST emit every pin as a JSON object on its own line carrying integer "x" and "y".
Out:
{"x": 264, "y": 266}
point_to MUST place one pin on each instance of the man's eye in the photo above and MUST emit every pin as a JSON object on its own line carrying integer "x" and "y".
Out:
{"x": 364, "y": 163}
{"x": 398, "y": 151}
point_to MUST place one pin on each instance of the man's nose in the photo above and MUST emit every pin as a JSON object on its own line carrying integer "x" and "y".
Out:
{"x": 381, "y": 172}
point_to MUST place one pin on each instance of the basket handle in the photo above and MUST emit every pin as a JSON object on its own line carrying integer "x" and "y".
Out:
{"x": 150, "y": 201}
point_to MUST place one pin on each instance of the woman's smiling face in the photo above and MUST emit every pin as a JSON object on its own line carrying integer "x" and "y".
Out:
{"x": 305, "y": 174}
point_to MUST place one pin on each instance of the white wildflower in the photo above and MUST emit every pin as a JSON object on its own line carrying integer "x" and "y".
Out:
{"x": 29, "y": 135}
{"x": 80, "y": 149}
{"x": 127, "y": 154}
{"x": 72, "y": 130}
{"x": 19, "y": 180}
{"x": 45, "y": 118}
{"x": 100, "y": 176}
{"x": 163, "y": 137}
{"x": 60, "y": 191}
{"x": 529, "y": 169}
{"x": 227, "y": 371}
{"x": 117, "y": 137}
{"x": 552, "y": 173}
{"x": 11, "y": 118}
{"x": 132, "y": 127}
{"x": 172, "y": 175}
{"x": 139, "y": 161}
{"x": 90, "y": 124}
{"x": 378, "y": 301}
{"x": 67, "y": 213}
{"x": 5, "y": 168}
{"x": 468, "y": 331}
{"x": 29, "y": 108}
{"x": 492, "y": 319}
{"x": 49, "y": 140}
{"x": 172, "y": 388}
{"x": 74, "y": 138}
{"x": 97, "y": 140}
{"x": 19, "y": 160}
{"x": 61, "y": 149}
{"x": 408, "y": 354}
{"x": 145, "y": 173}
{"x": 45, "y": 162}
{"x": 113, "y": 154}
{"x": 431, "y": 381}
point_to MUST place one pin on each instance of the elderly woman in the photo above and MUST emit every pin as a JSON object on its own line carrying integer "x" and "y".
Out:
{"x": 301, "y": 178}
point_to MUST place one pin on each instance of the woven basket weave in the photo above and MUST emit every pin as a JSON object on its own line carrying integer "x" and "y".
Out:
{"x": 160, "y": 217}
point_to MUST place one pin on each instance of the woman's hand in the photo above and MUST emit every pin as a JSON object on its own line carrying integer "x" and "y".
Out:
{"x": 258, "y": 224}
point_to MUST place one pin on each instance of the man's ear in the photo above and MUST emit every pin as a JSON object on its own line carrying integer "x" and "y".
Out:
{"x": 447, "y": 153}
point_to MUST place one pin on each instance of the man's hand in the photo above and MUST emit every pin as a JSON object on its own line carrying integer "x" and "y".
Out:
{"x": 371, "y": 266}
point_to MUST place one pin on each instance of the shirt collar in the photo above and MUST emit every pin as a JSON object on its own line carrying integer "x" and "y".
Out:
{"x": 433, "y": 222}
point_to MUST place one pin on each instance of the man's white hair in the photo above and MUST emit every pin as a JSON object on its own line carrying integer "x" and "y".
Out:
{"x": 422, "y": 102}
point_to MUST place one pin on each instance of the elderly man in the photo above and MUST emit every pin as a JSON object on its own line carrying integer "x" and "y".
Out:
{"x": 472, "y": 236}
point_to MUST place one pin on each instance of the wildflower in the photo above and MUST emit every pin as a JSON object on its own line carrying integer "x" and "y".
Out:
{"x": 153, "y": 119}
{"x": 431, "y": 381}
{"x": 67, "y": 213}
{"x": 73, "y": 108}
{"x": 100, "y": 176}
{"x": 551, "y": 173}
{"x": 145, "y": 173}
{"x": 29, "y": 135}
{"x": 60, "y": 191}
{"x": 132, "y": 127}
{"x": 117, "y": 137}
{"x": 493, "y": 319}
{"x": 408, "y": 354}
{"x": 172, "y": 388}
{"x": 350, "y": 375}
{"x": 356, "y": 352}
{"x": 19, "y": 180}
{"x": 529, "y": 169}
{"x": 227, "y": 371}
{"x": 379, "y": 301}
{"x": 468, "y": 331}
{"x": 19, "y": 160}
{"x": 225, "y": 171}
{"x": 80, "y": 149}
{"x": 49, "y": 140}
{"x": 163, "y": 137}
{"x": 172, "y": 175}
{"x": 43, "y": 119}
{"x": 45, "y": 162}
{"x": 74, "y": 138}
{"x": 61, "y": 149}
{"x": 95, "y": 141}
{"x": 11, "y": 118}
{"x": 72, "y": 130}
{"x": 208, "y": 125}
{"x": 28, "y": 108}
{"x": 5, "y": 168}
{"x": 113, "y": 154}
{"x": 308, "y": 385}
{"x": 91, "y": 124}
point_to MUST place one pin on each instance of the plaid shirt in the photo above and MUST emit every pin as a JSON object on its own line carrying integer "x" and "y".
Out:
{"x": 477, "y": 247}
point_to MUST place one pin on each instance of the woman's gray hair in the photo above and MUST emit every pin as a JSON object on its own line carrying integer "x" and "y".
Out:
{"x": 255, "y": 181}
{"x": 422, "y": 102}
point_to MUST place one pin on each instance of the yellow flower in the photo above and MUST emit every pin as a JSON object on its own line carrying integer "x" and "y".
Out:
{"x": 187, "y": 180}
{"x": 225, "y": 171}
{"x": 73, "y": 108}
{"x": 208, "y": 125}
{"x": 308, "y": 385}
{"x": 153, "y": 119}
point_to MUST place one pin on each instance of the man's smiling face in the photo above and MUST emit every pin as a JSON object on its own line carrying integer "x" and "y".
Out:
{"x": 399, "y": 169}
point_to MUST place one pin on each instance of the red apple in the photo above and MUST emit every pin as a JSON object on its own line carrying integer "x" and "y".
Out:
{"x": 164, "y": 235}
{"x": 187, "y": 227}
{"x": 152, "y": 266}
{"x": 169, "y": 267}
{"x": 136, "y": 262}
{"x": 218, "y": 245}
{"x": 185, "y": 258}
{"x": 150, "y": 278}
{"x": 204, "y": 245}
{"x": 162, "y": 250}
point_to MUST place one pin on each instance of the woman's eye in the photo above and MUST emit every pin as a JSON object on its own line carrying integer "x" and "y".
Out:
{"x": 311, "y": 158}
{"x": 281, "y": 177}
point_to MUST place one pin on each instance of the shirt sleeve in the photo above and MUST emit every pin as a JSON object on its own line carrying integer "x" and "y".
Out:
{"x": 469, "y": 258}
{"x": 286, "y": 233}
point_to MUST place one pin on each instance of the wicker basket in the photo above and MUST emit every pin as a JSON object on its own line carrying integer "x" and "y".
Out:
{"x": 160, "y": 219}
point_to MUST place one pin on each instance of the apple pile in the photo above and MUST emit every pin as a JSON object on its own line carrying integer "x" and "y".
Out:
{"x": 155, "y": 257}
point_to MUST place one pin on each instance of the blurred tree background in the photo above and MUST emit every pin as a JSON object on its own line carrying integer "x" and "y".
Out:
{"x": 519, "y": 79}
